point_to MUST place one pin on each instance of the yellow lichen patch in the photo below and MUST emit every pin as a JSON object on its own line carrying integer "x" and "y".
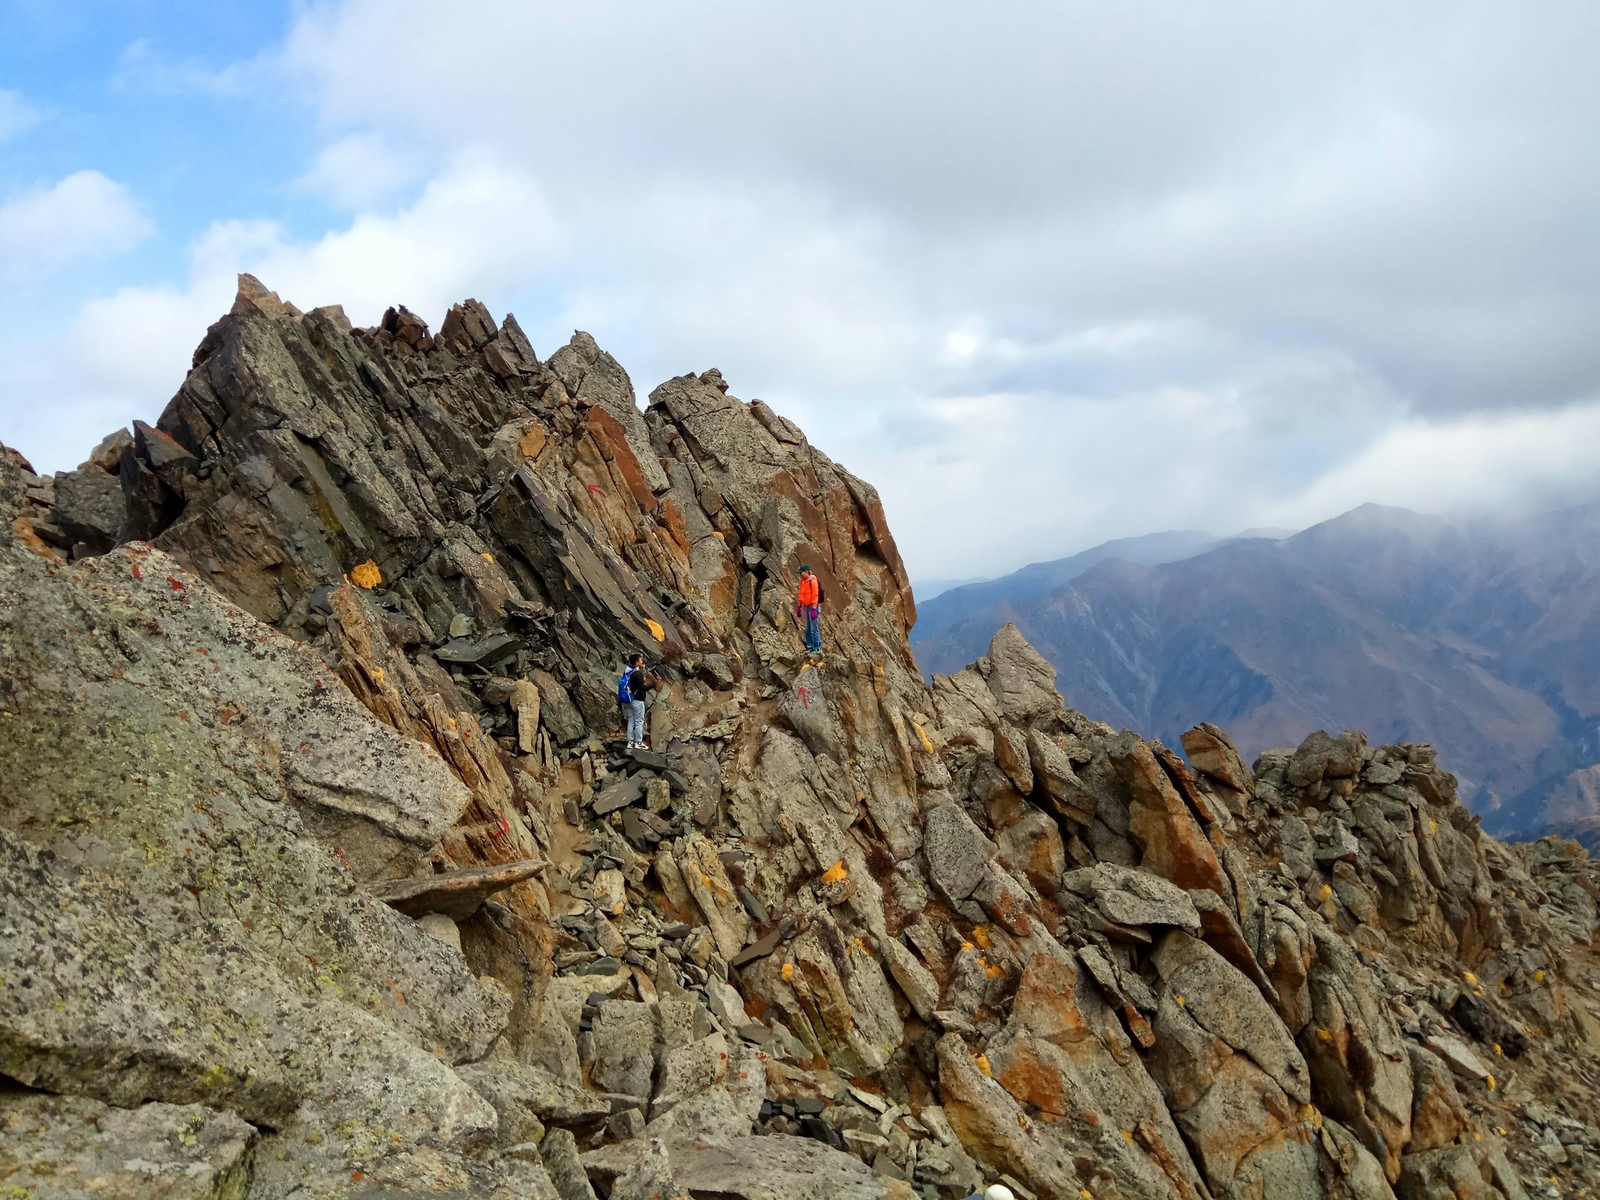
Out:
{"x": 1311, "y": 1115}
{"x": 980, "y": 934}
{"x": 1477, "y": 1135}
{"x": 835, "y": 873}
{"x": 1127, "y": 1135}
{"x": 921, "y": 733}
{"x": 1327, "y": 890}
{"x": 967, "y": 946}
{"x": 983, "y": 1065}
{"x": 1490, "y": 1083}
{"x": 25, "y": 534}
{"x": 787, "y": 971}
{"x": 1324, "y": 1036}
{"x": 487, "y": 557}
{"x": 1497, "y": 1048}
{"x": 656, "y": 631}
{"x": 1085, "y": 1194}
{"x": 1538, "y": 976}
{"x": 717, "y": 533}
{"x": 378, "y": 676}
{"x": 1433, "y": 826}
{"x": 989, "y": 969}
{"x": 1181, "y": 1001}
{"x": 366, "y": 575}
{"x": 1469, "y": 979}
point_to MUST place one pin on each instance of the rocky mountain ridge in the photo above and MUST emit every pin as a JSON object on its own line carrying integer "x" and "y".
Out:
{"x": 329, "y": 876}
{"x": 1480, "y": 636}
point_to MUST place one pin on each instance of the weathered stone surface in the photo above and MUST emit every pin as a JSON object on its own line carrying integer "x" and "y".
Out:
{"x": 767, "y": 1168}
{"x": 958, "y": 852}
{"x": 709, "y": 1088}
{"x": 455, "y": 894}
{"x": 625, "y": 1036}
{"x": 1360, "y": 1068}
{"x": 525, "y": 1098}
{"x": 1230, "y": 1072}
{"x": 915, "y": 980}
{"x": 75, "y": 1148}
{"x": 1323, "y": 757}
{"x": 1164, "y": 826}
{"x": 1215, "y": 757}
{"x": 559, "y": 1151}
{"x": 525, "y": 703}
{"x": 1134, "y": 898}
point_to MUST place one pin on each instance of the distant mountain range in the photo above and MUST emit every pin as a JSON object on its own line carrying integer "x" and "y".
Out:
{"x": 1481, "y": 636}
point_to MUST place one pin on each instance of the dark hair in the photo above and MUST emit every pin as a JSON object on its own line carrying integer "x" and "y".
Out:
{"x": 635, "y": 659}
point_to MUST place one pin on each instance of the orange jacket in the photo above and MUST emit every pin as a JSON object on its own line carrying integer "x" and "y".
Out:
{"x": 808, "y": 591}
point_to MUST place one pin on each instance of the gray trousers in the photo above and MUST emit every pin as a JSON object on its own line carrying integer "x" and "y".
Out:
{"x": 635, "y": 714}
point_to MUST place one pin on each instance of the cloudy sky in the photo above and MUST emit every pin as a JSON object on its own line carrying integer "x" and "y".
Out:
{"x": 1045, "y": 272}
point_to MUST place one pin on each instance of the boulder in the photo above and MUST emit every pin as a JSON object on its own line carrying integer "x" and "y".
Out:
{"x": 957, "y": 851}
{"x": 76, "y": 1148}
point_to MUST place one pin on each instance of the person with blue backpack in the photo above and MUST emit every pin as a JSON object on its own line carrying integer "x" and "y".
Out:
{"x": 632, "y": 685}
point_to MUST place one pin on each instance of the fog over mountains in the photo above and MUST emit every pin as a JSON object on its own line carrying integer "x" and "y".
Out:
{"x": 1481, "y": 636}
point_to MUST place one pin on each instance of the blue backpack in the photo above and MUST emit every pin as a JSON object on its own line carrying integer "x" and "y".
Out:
{"x": 624, "y": 686}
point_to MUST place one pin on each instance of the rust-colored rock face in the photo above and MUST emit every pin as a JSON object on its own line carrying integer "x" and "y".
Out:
{"x": 329, "y": 750}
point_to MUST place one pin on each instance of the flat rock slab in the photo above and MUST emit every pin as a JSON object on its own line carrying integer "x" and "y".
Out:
{"x": 762, "y": 946}
{"x": 620, "y": 794}
{"x": 72, "y": 1146}
{"x": 456, "y": 894}
{"x": 484, "y": 652}
{"x": 756, "y": 1168}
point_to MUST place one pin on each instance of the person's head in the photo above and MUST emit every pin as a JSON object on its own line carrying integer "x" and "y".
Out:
{"x": 636, "y": 660}
{"x": 805, "y": 569}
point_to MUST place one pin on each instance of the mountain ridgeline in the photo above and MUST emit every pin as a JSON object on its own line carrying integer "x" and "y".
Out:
{"x": 328, "y": 873}
{"x": 1481, "y": 637}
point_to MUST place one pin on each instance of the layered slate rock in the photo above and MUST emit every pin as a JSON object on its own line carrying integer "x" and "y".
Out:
{"x": 839, "y": 932}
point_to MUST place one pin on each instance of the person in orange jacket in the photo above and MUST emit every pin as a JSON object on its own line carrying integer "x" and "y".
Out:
{"x": 808, "y": 607}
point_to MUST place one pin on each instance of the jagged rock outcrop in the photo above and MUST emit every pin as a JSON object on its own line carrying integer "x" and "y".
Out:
{"x": 329, "y": 872}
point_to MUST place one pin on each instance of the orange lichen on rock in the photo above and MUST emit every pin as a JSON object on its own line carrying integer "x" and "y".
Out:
{"x": 366, "y": 576}
{"x": 31, "y": 540}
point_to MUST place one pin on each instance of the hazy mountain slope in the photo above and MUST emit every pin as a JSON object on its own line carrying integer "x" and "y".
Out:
{"x": 1481, "y": 637}
{"x": 938, "y": 610}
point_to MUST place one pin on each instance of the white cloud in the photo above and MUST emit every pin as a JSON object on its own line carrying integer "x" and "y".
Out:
{"x": 1189, "y": 263}
{"x": 16, "y": 114}
{"x": 1045, "y": 273}
{"x": 361, "y": 171}
{"x": 144, "y": 67}
{"x": 1485, "y": 462}
{"x": 81, "y": 216}
{"x": 126, "y": 353}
